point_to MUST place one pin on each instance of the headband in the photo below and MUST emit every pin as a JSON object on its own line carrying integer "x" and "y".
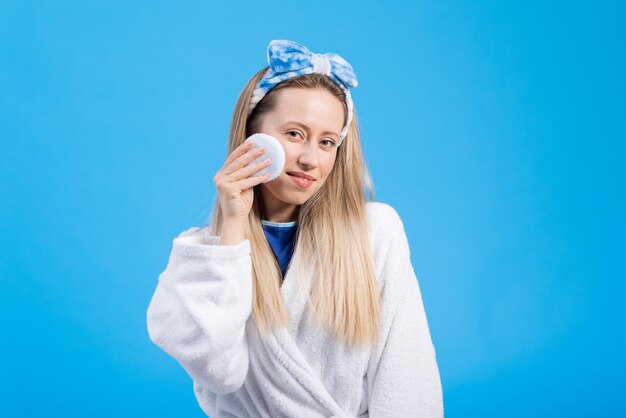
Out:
{"x": 290, "y": 59}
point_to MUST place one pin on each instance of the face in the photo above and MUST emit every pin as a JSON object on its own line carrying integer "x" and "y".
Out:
{"x": 307, "y": 123}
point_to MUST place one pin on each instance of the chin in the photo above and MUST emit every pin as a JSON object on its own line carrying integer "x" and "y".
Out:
{"x": 292, "y": 197}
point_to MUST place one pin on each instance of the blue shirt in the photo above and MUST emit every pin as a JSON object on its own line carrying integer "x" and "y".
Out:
{"x": 281, "y": 237}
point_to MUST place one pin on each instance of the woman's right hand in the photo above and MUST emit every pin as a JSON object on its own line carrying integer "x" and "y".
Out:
{"x": 234, "y": 182}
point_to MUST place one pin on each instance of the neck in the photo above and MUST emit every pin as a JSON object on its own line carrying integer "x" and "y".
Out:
{"x": 277, "y": 210}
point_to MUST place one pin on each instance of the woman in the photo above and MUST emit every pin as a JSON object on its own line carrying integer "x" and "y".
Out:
{"x": 300, "y": 300}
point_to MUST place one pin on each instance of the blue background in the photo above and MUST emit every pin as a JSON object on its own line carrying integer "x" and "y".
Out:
{"x": 496, "y": 130}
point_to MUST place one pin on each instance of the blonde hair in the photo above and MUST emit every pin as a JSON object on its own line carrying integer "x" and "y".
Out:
{"x": 332, "y": 241}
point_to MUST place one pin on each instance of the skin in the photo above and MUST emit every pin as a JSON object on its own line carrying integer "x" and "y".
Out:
{"x": 307, "y": 123}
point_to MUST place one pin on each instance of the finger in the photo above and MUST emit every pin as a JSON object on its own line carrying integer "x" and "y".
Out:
{"x": 227, "y": 167}
{"x": 251, "y": 181}
{"x": 247, "y": 171}
{"x": 243, "y": 160}
{"x": 240, "y": 150}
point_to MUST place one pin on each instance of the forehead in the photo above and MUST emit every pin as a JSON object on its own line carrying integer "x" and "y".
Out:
{"x": 318, "y": 109}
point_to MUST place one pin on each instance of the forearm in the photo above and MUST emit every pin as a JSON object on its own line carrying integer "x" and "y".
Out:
{"x": 199, "y": 311}
{"x": 233, "y": 231}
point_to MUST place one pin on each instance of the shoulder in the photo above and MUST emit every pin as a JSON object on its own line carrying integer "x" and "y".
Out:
{"x": 388, "y": 237}
{"x": 392, "y": 255}
{"x": 384, "y": 221}
{"x": 382, "y": 213}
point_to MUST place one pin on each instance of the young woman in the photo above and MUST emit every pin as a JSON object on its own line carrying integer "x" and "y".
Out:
{"x": 299, "y": 300}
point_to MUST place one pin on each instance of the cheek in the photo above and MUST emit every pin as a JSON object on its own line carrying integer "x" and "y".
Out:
{"x": 327, "y": 164}
{"x": 291, "y": 152}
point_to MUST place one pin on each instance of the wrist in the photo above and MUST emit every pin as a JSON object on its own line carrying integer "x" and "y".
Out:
{"x": 233, "y": 231}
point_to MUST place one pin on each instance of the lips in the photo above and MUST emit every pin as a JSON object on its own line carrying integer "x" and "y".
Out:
{"x": 301, "y": 181}
{"x": 301, "y": 175}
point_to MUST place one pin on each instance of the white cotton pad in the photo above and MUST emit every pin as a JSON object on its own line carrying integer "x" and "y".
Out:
{"x": 273, "y": 150}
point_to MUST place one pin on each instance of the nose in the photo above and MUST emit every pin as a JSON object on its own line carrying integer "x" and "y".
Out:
{"x": 308, "y": 156}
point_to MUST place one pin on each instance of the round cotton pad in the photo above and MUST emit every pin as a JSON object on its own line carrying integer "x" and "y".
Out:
{"x": 273, "y": 150}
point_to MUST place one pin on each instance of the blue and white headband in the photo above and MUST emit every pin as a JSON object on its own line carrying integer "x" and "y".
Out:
{"x": 289, "y": 59}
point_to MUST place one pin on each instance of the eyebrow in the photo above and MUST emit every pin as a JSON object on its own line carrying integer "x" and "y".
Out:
{"x": 306, "y": 128}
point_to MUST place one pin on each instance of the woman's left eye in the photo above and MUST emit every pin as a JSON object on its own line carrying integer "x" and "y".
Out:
{"x": 329, "y": 143}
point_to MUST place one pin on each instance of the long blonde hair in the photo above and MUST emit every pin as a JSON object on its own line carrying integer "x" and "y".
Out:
{"x": 332, "y": 242}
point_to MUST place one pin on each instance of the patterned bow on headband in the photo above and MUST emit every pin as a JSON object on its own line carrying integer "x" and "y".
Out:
{"x": 289, "y": 59}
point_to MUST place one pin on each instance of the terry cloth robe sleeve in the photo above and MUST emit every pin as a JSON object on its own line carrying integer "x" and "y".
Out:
{"x": 199, "y": 309}
{"x": 403, "y": 375}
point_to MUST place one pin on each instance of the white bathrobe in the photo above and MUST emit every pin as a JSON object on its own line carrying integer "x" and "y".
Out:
{"x": 200, "y": 314}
